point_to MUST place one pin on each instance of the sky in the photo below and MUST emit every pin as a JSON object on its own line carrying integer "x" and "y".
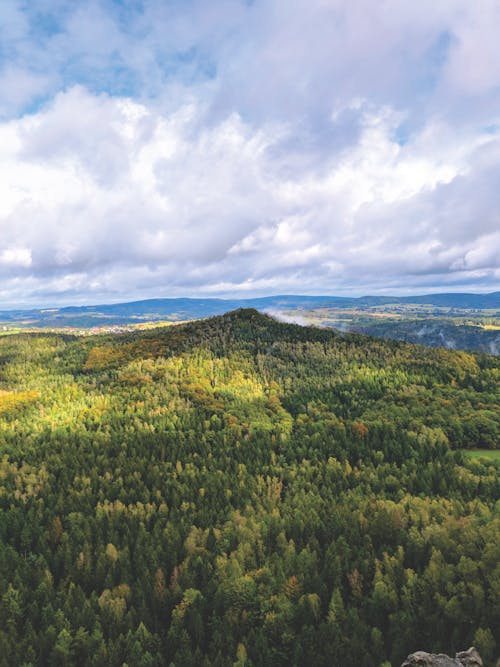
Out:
{"x": 247, "y": 147}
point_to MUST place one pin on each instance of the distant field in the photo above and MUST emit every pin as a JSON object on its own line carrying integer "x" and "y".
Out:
{"x": 479, "y": 453}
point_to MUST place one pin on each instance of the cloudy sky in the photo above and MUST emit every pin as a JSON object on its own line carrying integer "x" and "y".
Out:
{"x": 247, "y": 147}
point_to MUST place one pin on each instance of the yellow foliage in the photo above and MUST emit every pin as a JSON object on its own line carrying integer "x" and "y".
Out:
{"x": 115, "y": 600}
{"x": 11, "y": 401}
{"x": 112, "y": 552}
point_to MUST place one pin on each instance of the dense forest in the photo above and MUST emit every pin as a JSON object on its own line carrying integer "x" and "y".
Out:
{"x": 242, "y": 492}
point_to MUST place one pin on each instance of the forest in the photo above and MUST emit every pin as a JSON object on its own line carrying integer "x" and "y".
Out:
{"x": 241, "y": 492}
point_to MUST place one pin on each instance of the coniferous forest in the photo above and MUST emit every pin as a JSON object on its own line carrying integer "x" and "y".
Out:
{"x": 242, "y": 492}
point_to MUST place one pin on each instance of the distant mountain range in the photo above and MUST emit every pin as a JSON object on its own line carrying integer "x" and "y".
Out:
{"x": 176, "y": 309}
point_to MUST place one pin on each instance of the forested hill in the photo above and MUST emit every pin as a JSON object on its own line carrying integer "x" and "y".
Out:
{"x": 243, "y": 492}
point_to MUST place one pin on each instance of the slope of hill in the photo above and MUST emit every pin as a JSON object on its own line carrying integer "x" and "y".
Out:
{"x": 239, "y": 491}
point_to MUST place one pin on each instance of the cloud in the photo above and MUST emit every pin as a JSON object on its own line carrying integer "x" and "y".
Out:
{"x": 16, "y": 257}
{"x": 230, "y": 147}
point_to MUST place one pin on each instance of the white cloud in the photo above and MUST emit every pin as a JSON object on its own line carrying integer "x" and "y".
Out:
{"x": 16, "y": 257}
{"x": 250, "y": 147}
{"x": 103, "y": 190}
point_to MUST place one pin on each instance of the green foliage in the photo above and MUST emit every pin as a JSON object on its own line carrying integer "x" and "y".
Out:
{"x": 242, "y": 492}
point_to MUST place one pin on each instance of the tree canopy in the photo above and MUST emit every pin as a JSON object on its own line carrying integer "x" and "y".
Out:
{"x": 238, "y": 491}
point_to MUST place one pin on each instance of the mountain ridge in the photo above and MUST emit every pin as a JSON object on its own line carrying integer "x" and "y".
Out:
{"x": 214, "y": 305}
